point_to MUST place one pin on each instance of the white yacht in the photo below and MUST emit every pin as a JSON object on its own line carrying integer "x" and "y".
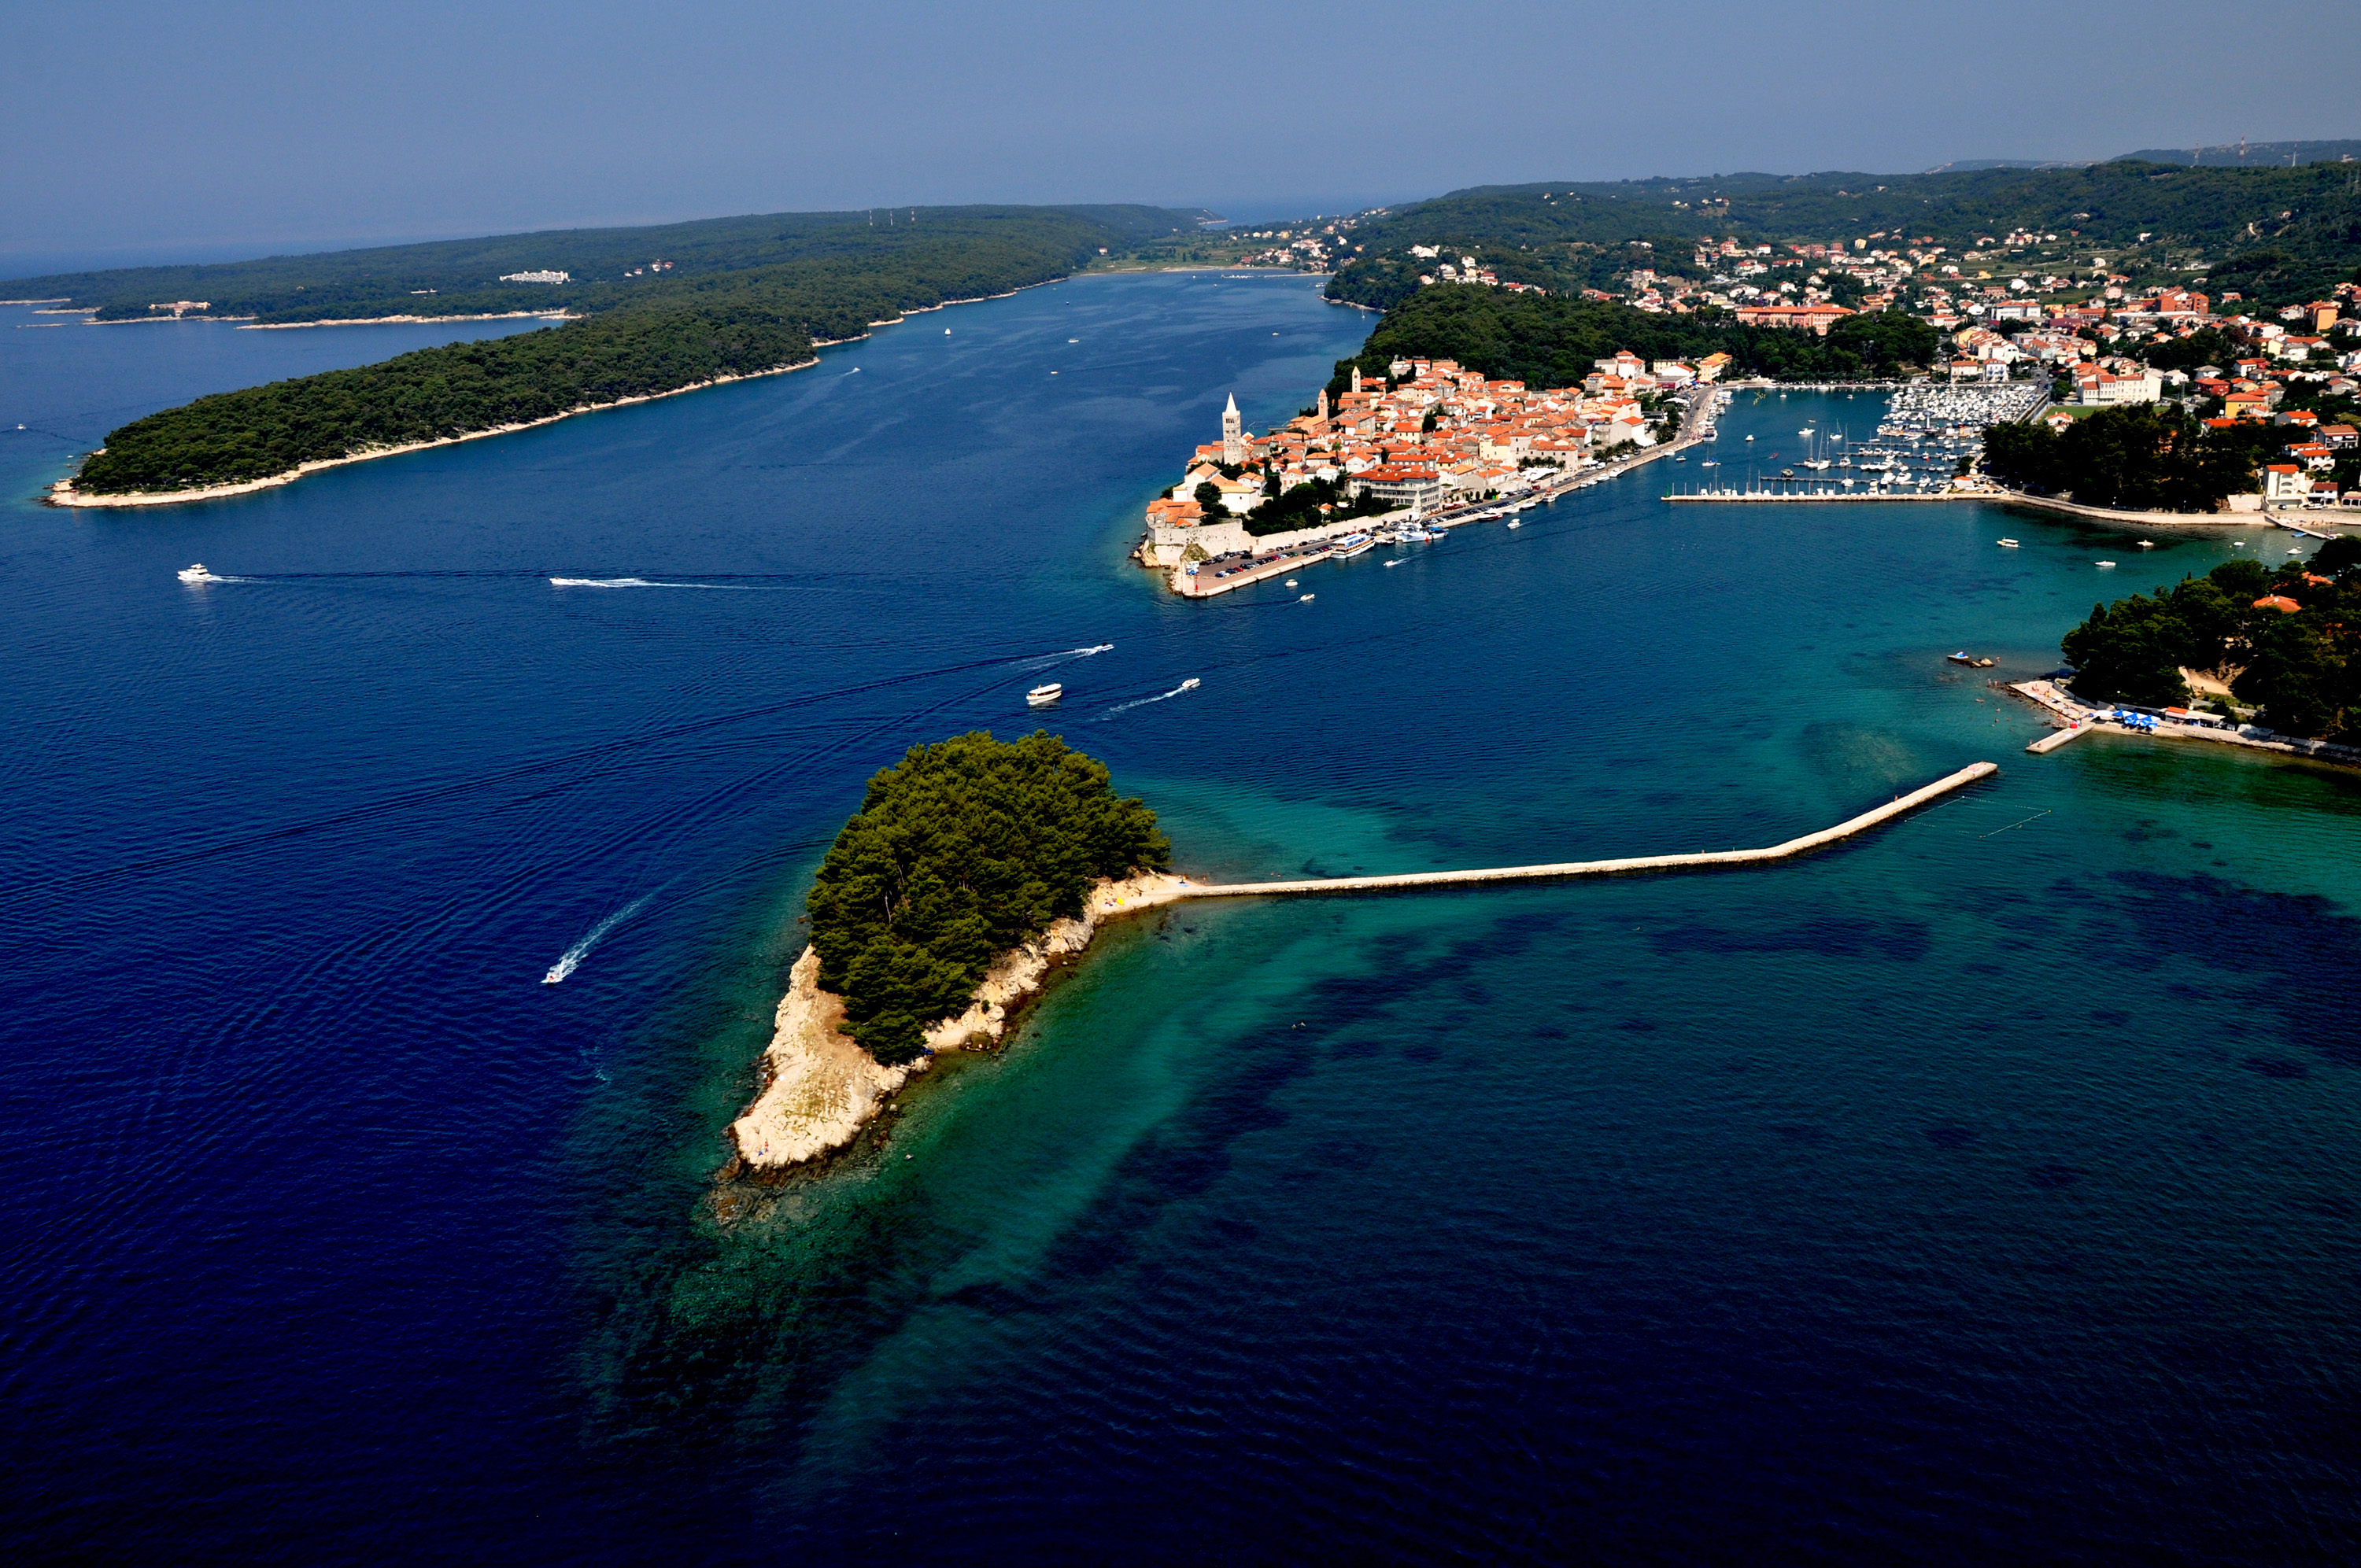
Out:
{"x": 2008, "y": 544}
{"x": 197, "y": 574}
{"x": 1042, "y": 697}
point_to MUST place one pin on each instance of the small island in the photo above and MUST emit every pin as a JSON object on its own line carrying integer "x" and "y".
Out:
{"x": 971, "y": 866}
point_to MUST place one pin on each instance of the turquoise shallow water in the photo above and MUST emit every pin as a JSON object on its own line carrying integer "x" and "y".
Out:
{"x": 1982, "y": 1189}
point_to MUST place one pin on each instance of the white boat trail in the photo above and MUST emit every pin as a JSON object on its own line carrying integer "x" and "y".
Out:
{"x": 647, "y": 583}
{"x": 574, "y": 955}
{"x": 1048, "y": 660}
{"x": 1190, "y": 684}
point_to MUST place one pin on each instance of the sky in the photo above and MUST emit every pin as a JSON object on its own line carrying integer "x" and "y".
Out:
{"x": 132, "y": 131}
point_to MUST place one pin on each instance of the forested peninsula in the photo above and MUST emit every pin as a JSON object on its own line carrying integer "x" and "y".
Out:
{"x": 970, "y": 867}
{"x": 743, "y": 296}
{"x": 2285, "y": 641}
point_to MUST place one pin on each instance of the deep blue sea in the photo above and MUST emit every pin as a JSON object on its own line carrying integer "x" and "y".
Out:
{"x": 1988, "y": 1190}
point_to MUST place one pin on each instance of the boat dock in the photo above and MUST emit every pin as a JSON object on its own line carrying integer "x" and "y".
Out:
{"x": 1630, "y": 866}
{"x": 1819, "y": 497}
{"x": 1203, "y": 586}
{"x": 2078, "y": 721}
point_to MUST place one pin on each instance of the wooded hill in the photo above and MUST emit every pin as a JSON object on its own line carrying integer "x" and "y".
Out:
{"x": 2277, "y": 234}
{"x": 2301, "y": 667}
{"x": 461, "y": 277}
{"x": 1551, "y": 341}
{"x": 686, "y": 327}
{"x": 961, "y": 852}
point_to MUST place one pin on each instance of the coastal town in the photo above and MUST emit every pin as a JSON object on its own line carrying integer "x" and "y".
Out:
{"x": 1433, "y": 445}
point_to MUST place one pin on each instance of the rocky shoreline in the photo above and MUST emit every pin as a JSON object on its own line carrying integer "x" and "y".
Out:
{"x": 817, "y": 1088}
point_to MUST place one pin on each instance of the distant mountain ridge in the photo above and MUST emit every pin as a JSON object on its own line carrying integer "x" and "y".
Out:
{"x": 2246, "y": 154}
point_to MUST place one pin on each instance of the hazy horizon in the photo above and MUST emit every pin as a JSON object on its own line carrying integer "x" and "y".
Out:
{"x": 278, "y": 128}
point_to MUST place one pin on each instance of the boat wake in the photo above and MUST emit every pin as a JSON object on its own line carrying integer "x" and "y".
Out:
{"x": 1048, "y": 660}
{"x": 574, "y": 955}
{"x": 646, "y": 583}
{"x": 1190, "y": 684}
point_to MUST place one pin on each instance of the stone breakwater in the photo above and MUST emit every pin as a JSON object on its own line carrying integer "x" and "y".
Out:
{"x": 818, "y": 1088}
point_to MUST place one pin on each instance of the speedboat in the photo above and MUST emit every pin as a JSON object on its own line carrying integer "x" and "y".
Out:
{"x": 1190, "y": 684}
{"x": 1749, "y": 438}
{"x": 197, "y": 574}
{"x": 556, "y": 972}
{"x": 1042, "y": 697}
{"x": 2106, "y": 562}
{"x": 2148, "y": 543}
{"x": 1305, "y": 600}
{"x": 2008, "y": 544}
{"x": 1515, "y": 523}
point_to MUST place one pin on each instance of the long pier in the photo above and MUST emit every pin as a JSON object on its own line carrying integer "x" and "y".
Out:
{"x": 1630, "y": 866}
{"x": 1824, "y": 499}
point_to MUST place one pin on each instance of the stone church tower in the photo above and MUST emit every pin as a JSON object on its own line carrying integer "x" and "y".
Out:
{"x": 1234, "y": 434}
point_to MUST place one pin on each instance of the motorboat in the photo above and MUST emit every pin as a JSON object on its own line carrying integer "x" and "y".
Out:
{"x": 1190, "y": 684}
{"x": 2008, "y": 544}
{"x": 197, "y": 574}
{"x": 1042, "y": 697}
{"x": 557, "y": 973}
{"x": 1970, "y": 659}
{"x": 2148, "y": 543}
{"x": 2105, "y": 564}
{"x": 1305, "y": 600}
{"x": 1749, "y": 438}
{"x": 1514, "y": 522}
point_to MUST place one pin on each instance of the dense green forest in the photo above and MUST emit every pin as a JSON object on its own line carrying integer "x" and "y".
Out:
{"x": 461, "y": 277}
{"x": 689, "y": 327}
{"x": 435, "y": 393}
{"x": 2138, "y": 457}
{"x": 1551, "y": 340}
{"x": 960, "y": 852}
{"x": 2302, "y": 669}
{"x": 2278, "y": 234}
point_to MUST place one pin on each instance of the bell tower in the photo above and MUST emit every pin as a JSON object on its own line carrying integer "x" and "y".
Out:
{"x": 1234, "y": 435}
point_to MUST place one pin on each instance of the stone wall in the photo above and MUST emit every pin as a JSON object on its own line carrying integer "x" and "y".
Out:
{"x": 1166, "y": 540}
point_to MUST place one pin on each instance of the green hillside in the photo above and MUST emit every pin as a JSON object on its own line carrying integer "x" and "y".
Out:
{"x": 2280, "y": 235}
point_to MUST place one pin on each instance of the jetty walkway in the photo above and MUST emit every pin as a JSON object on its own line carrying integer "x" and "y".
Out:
{"x": 1628, "y": 866}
